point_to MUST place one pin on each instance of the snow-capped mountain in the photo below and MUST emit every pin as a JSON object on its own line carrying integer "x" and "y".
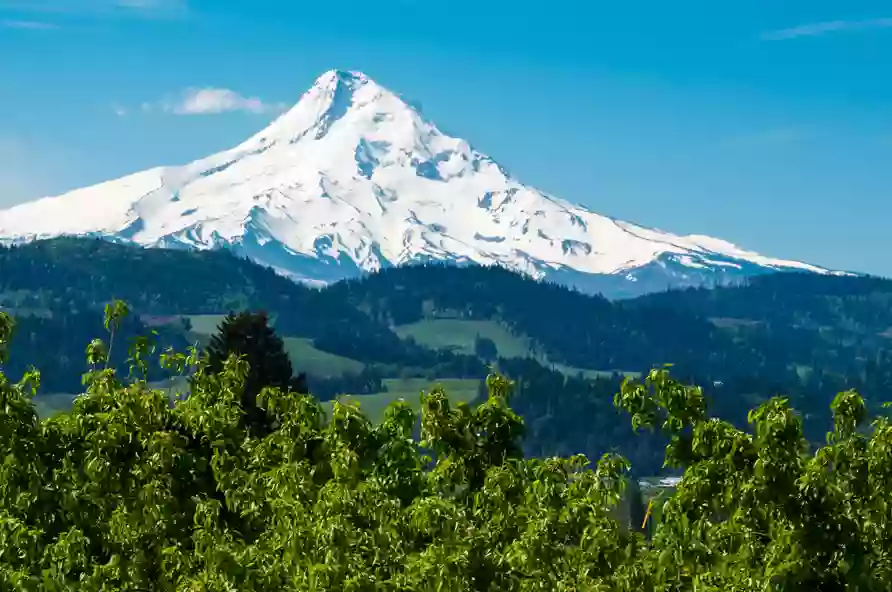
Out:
{"x": 354, "y": 179}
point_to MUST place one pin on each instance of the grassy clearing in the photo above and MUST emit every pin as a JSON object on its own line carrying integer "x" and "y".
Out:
{"x": 460, "y": 334}
{"x": 803, "y": 371}
{"x": 732, "y": 323}
{"x": 458, "y": 389}
{"x": 48, "y": 404}
{"x": 409, "y": 390}
{"x": 587, "y": 373}
{"x": 374, "y": 405}
{"x": 306, "y": 358}
{"x": 205, "y": 324}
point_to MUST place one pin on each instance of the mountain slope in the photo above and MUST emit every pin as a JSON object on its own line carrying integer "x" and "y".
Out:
{"x": 353, "y": 179}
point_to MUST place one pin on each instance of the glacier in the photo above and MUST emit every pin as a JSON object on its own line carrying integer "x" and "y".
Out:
{"x": 353, "y": 179}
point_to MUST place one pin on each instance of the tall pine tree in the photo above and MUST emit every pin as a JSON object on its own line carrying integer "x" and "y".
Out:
{"x": 249, "y": 334}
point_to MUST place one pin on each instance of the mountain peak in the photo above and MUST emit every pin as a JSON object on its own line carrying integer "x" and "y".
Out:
{"x": 334, "y": 95}
{"x": 351, "y": 78}
{"x": 352, "y": 179}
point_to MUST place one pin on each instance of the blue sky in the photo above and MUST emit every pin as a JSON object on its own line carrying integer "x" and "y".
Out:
{"x": 765, "y": 123}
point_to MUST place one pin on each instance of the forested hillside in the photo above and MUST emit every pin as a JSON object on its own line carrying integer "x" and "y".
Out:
{"x": 801, "y": 335}
{"x": 389, "y": 335}
{"x": 721, "y": 332}
{"x": 51, "y": 278}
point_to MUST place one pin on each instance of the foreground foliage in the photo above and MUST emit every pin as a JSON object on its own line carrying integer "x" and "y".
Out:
{"x": 133, "y": 491}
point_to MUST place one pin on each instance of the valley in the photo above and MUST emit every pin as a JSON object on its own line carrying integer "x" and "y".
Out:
{"x": 437, "y": 334}
{"x": 394, "y": 334}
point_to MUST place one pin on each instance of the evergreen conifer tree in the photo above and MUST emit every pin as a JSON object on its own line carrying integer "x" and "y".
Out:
{"x": 249, "y": 334}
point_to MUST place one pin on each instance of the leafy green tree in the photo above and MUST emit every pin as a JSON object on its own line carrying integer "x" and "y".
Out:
{"x": 115, "y": 312}
{"x": 130, "y": 491}
{"x": 116, "y": 495}
{"x": 762, "y": 510}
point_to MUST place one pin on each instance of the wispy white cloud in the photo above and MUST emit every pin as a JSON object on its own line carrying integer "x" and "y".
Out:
{"x": 153, "y": 7}
{"x": 97, "y": 8}
{"x": 203, "y": 101}
{"x": 28, "y": 25}
{"x": 823, "y": 28}
{"x": 213, "y": 101}
{"x": 146, "y": 4}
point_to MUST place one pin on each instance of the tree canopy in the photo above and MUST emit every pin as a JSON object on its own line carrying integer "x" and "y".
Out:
{"x": 133, "y": 491}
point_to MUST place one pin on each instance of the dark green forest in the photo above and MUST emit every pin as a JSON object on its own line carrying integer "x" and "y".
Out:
{"x": 803, "y": 336}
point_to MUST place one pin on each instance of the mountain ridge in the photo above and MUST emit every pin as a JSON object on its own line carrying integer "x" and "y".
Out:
{"x": 353, "y": 179}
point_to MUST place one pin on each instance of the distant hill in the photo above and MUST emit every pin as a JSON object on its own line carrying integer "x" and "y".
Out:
{"x": 803, "y": 335}
{"x": 771, "y": 325}
{"x": 60, "y": 277}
